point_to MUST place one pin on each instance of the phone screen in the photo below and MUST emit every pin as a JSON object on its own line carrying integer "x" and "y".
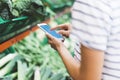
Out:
{"x": 46, "y": 28}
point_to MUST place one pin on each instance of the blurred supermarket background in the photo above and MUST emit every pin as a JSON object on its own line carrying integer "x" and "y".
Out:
{"x": 24, "y": 51}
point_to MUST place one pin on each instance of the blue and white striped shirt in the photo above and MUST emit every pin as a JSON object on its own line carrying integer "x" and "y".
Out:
{"x": 96, "y": 24}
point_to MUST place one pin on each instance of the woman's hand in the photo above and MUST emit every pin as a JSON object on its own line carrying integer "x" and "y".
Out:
{"x": 54, "y": 42}
{"x": 64, "y": 29}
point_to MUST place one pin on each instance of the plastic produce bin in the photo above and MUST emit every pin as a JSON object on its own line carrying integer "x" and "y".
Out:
{"x": 9, "y": 28}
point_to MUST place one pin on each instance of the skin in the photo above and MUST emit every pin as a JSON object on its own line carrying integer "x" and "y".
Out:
{"x": 91, "y": 65}
{"x": 64, "y": 29}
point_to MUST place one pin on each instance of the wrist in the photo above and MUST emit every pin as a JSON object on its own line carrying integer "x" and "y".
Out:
{"x": 60, "y": 47}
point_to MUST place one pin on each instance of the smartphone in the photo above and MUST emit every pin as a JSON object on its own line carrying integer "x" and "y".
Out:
{"x": 46, "y": 28}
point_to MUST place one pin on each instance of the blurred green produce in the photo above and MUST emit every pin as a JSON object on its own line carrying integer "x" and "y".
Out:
{"x": 16, "y": 16}
{"x": 58, "y": 5}
{"x": 33, "y": 56}
{"x": 10, "y": 9}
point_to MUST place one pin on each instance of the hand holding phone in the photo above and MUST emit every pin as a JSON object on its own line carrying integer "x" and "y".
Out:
{"x": 46, "y": 29}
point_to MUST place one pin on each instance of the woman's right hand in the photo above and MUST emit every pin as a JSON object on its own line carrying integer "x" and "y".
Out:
{"x": 64, "y": 29}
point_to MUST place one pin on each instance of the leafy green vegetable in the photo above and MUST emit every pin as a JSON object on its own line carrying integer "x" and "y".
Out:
{"x": 15, "y": 8}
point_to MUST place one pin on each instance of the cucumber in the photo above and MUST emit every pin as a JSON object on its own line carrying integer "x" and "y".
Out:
{"x": 29, "y": 70}
{"x": 21, "y": 75}
{"x": 12, "y": 75}
{"x": 9, "y": 67}
{"x": 7, "y": 58}
{"x": 37, "y": 75}
{"x": 42, "y": 71}
{"x": 6, "y": 78}
{"x": 57, "y": 76}
{"x": 63, "y": 78}
{"x": 2, "y": 55}
{"x": 46, "y": 74}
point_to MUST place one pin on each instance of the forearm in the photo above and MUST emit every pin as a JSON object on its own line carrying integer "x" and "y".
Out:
{"x": 72, "y": 66}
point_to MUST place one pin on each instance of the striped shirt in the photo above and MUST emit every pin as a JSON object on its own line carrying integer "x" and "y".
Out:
{"x": 96, "y": 24}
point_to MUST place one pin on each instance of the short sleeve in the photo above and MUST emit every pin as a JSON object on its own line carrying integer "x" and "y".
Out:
{"x": 91, "y": 23}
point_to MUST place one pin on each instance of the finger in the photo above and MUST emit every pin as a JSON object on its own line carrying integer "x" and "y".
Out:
{"x": 50, "y": 42}
{"x": 64, "y": 33}
{"x": 59, "y": 27}
{"x": 56, "y": 27}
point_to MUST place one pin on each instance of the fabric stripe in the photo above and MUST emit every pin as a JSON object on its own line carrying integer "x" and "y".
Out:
{"x": 112, "y": 72}
{"x": 93, "y": 30}
{"x": 116, "y": 69}
{"x": 115, "y": 40}
{"x": 111, "y": 54}
{"x": 105, "y": 3}
{"x": 84, "y": 3}
{"x": 88, "y": 39}
{"x": 86, "y": 23}
{"x": 76, "y": 57}
{"x": 77, "y": 44}
{"x": 108, "y": 74}
{"x": 90, "y": 15}
{"x": 77, "y": 51}
{"x": 111, "y": 61}
{"x": 85, "y": 9}
{"x": 88, "y": 33}
{"x": 113, "y": 47}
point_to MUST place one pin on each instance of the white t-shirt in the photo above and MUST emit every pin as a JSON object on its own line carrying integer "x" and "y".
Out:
{"x": 96, "y": 24}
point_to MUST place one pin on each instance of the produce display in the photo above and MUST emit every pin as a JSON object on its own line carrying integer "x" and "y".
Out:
{"x": 10, "y": 9}
{"x": 32, "y": 58}
{"x": 58, "y": 5}
{"x": 16, "y": 15}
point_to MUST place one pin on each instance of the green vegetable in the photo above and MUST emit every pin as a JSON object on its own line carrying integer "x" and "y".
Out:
{"x": 29, "y": 72}
{"x": 16, "y": 8}
{"x": 4, "y": 10}
{"x": 63, "y": 78}
{"x": 9, "y": 66}
{"x": 54, "y": 4}
{"x": 46, "y": 74}
{"x": 37, "y": 75}
{"x": 11, "y": 49}
{"x": 6, "y": 78}
{"x": 21, "y": 74}
{"x": 57, "y": 76}
{"x": 7, "y": 58}
{"x": 12, "y": 75}
{"x": 6, "y": 51}
{"x": 40, "y": 54}
{"x": 2, "y": 55}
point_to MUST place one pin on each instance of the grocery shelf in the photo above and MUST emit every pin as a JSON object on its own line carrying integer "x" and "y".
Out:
{"x": 19, "y": 37}
{"x": 22, "y": 35}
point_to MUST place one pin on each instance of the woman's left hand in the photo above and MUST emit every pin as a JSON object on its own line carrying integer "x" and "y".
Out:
{"x": 54, "y": 42}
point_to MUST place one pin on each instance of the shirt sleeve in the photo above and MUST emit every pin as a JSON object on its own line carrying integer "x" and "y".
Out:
{"x": 91, "y": 23}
